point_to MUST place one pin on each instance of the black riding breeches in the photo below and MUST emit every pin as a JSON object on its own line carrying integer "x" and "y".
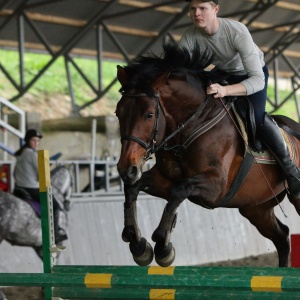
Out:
{"x": 35, "y": 195}
{"x": 257, "y": 99}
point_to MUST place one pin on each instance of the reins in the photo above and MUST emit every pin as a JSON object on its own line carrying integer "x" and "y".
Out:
{"x": 151, "y": 149}
{"x": 178, "y": 149}
{"x": 200, "y": 130}
{"x": 164, "y": 143}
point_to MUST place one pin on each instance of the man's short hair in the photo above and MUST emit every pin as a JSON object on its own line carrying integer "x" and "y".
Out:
{"x": 215, "y": 1}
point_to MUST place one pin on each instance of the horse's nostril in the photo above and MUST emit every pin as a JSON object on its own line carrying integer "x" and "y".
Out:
{"x": 132, "y": 172}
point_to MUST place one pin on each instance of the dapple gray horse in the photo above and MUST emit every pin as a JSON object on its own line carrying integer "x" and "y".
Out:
{"x": 19, "y": 223}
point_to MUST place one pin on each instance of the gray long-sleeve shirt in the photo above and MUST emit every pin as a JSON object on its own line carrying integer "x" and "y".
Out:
{"x": 26, "y": 169}
{"x": 234, "y": 51}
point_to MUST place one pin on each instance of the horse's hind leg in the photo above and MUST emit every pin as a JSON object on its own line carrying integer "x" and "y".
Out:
{"x": 296, "y": 203}
{"x": 264, "y": 219}
{"x": 39, "y": 252}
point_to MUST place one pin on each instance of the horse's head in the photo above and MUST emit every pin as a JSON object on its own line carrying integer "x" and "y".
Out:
{"x": 146, "y": 104}
{"x": 142, "y": 127}
{"x": 62, "y": 182}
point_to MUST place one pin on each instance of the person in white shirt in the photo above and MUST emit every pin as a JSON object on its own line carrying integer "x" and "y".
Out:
{"x": 235, "y": 53}
{"x": 27, "y": 179}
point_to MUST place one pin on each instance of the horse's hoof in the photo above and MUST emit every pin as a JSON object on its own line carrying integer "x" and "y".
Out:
{"x": 146, "y": 258}
{"x": 167, "y": 260}
{"x": 124, "y": 238}
{"x": 130, "y": 233}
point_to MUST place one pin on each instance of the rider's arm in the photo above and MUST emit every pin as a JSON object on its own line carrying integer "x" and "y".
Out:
{"x": 252, "y": 60}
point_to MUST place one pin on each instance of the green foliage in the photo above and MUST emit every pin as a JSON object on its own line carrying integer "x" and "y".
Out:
{"x": 288, "y": 108}
{"x": 54, "y": 80}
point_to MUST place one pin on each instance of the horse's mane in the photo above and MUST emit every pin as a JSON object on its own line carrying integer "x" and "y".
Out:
{"x": 145, "y": 69}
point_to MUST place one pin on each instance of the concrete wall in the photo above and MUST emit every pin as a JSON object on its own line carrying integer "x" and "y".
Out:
{"x": 73, "y": 137}
{"x": 200, "y": 236}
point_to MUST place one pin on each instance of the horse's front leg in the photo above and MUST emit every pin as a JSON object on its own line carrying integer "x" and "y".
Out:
{"x": 141, "y": 250}
{"x": 193, "y": 188}
{"x": 164, "y": 250}
{"x": 155, "y": 184}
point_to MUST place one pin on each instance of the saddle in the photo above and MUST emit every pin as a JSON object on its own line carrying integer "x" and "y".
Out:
{"x": 244, "y": 114}
{"x": 24, "y": 195}
{"x": 244, "y": 109}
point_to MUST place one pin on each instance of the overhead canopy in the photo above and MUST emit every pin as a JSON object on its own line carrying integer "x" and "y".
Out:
{"x": 123, "y": 29}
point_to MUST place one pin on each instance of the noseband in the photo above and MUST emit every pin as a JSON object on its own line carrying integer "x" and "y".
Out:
{"x": 150, "y": 149}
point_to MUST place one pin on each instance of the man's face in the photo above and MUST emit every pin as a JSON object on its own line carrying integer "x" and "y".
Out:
{"x": 202, "y": 13}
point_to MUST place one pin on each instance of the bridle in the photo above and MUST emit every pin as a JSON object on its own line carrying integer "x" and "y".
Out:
{"x": 150, "y": 149}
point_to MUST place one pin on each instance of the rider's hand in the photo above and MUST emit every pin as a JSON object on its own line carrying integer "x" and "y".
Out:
{"x": 217, "y": 90}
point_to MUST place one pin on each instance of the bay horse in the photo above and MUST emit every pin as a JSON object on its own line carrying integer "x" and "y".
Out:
{"x": 199, "y": 152}
{"x": 20, "y": 223}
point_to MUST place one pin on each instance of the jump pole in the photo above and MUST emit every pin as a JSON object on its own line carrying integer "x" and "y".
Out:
{"x": 173, "y": 283}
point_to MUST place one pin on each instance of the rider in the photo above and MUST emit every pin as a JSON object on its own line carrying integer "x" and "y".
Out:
{"x": 27, "y": 181}
{"x": 236, "y": 54}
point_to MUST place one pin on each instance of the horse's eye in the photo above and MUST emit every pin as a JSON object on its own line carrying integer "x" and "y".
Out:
{"x": 150, "y": 115}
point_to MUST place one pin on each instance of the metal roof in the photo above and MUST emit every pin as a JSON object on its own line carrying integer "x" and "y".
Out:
{"x": 123, "y": 29}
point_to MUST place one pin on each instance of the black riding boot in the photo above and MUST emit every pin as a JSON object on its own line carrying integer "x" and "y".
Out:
{"x": 60, "y": 225}
{"x": 273, "y": 139}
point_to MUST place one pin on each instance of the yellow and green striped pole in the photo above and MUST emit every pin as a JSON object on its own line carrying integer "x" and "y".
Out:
{"x": 172, "y": 283}
{"x": 46, "y": 215}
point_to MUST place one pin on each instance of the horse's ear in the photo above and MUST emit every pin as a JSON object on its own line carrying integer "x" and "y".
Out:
{"x": 121, "y": 75}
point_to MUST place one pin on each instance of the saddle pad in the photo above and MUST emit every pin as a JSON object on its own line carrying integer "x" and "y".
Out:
{"x": 36, "y": 206}
{"x": 264, "y": 157}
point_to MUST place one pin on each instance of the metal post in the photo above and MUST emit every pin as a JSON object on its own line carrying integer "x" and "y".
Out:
{"x": 93, "y": 155}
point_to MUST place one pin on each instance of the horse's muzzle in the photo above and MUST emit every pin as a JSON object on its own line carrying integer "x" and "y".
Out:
{"x": 131, "y": 175}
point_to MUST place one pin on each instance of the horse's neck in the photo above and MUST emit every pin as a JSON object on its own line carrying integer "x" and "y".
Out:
{"x": 191, "y": 111}
{"x": 178, "y": 110}
{"x": 195, "y": 121}
{"x": 61, "y": 180}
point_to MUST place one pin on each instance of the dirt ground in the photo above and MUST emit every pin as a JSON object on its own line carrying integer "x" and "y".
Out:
{"x": 34, "y": 293}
